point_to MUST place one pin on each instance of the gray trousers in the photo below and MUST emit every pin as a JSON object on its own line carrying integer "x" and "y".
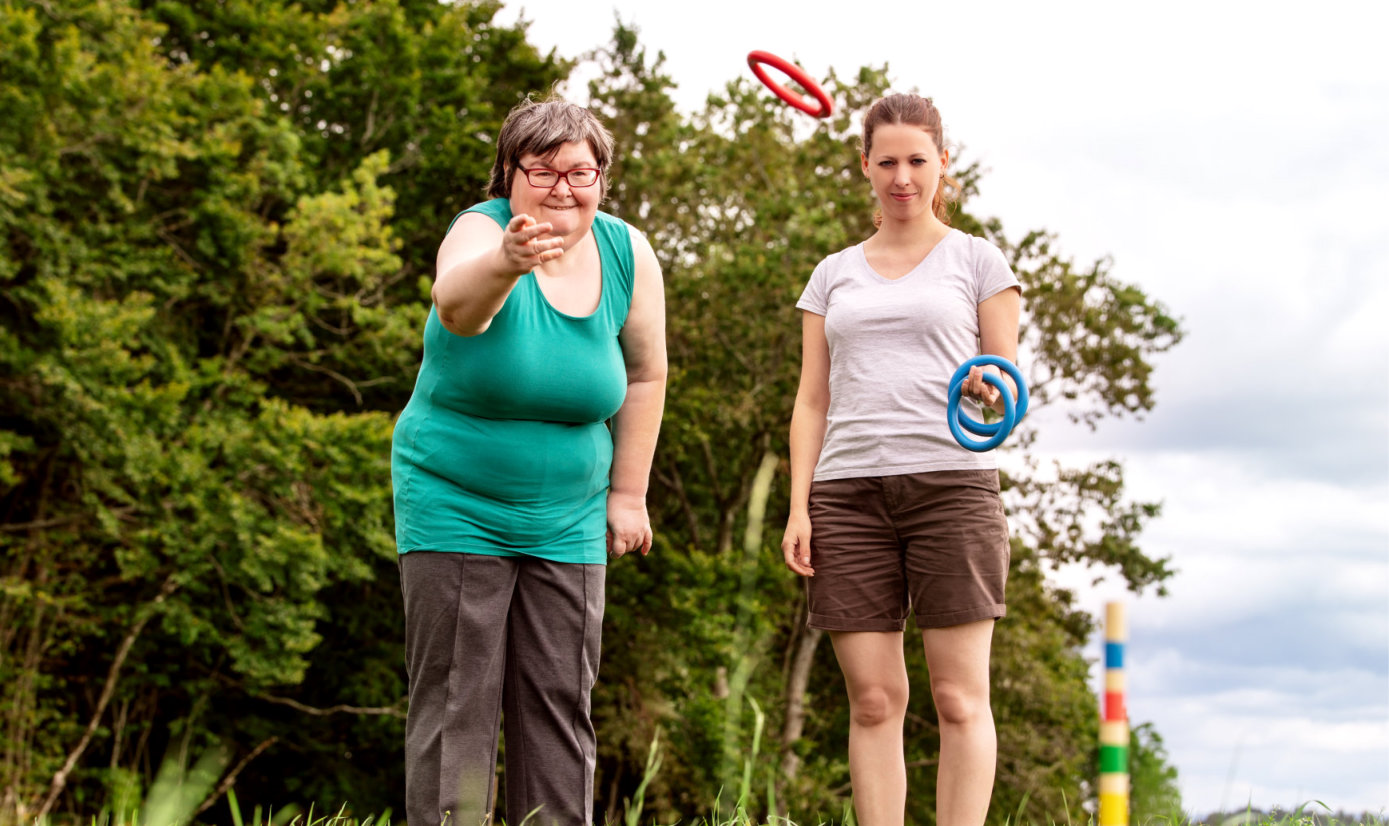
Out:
{"x": 487, "y": 636}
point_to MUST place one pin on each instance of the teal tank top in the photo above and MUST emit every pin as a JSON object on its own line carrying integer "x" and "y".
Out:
{"x": 504, "y": 447}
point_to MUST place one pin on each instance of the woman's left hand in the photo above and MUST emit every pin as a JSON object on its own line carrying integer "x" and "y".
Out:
{"x": 629, "y": 526}
{"x": 976, "y": 388}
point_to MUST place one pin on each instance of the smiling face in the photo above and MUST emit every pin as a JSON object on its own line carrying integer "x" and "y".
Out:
{"x": 905, "y": 166}
{"x": 569, "y": 209}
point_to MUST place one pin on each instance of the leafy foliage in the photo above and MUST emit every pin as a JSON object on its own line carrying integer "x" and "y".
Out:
{"x": 211, "y": 310}
{"x": 1153, "y": 791}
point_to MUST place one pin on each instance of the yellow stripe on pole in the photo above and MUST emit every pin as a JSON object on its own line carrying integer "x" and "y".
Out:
{"x": 1116, "y": 627}
{"x": 1114, "y": 810}
{"x": 1115, "y": 680}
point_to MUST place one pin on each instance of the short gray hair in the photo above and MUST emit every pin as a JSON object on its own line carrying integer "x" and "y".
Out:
{"x": 539, "y": 127}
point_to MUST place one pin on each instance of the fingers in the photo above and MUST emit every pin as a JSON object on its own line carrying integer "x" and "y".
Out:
{"x": 978, "y": 389}
{"x": 629, "y": 525}
{"x": 795, "y": 550}
{"x": 627, "y": 541}
{"x": 524, "y": 243}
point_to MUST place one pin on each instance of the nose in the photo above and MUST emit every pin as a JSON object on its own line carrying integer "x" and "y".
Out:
{"x": 903, "y": 176}
{"x": 561, "y": 187}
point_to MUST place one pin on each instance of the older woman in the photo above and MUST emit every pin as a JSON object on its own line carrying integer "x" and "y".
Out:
{"x": 511, "y": 488}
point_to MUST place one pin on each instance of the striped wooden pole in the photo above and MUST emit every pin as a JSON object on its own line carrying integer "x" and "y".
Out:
{"x": 1114, "y": 725}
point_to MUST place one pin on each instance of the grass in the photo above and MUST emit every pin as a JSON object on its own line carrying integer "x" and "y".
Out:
{"x": 180, "y": 796}
{"x": 1306, "y": 815}
{"x": 174, "y": 796}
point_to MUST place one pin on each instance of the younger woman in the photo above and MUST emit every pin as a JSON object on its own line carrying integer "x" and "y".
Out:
{"x": 888, "y": 514}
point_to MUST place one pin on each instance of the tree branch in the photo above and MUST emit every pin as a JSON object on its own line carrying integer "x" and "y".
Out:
{"x": 57, "y": 521}
{"x": 379, "y": 711}
{"x": 344, "y": 380}
{"x": 230, "y": 779}
{"x": 60, "y": 779}
{"x": 796, "y": 684}
{"x": 676, "y": 483}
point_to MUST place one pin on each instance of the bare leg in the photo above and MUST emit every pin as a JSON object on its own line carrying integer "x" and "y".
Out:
{"x": 958, "y": 657}
{"x": 875, "y": 675}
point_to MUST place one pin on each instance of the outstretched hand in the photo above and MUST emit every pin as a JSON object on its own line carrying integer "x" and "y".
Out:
{"x": 524, "y": 245}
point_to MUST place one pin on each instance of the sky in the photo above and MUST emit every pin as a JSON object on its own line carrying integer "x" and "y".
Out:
{"x": 1233, "y": 161}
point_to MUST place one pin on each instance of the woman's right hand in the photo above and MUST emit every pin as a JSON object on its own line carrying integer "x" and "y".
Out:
{"x": 795, "y": 544}
{"x": 524, "y": 247}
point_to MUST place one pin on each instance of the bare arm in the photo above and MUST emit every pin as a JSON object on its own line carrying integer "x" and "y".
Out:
{"x": 807, "y": 437}
{"x": 998, "y": 336}
{"x": 478, "y": 264}
{"x": 638, "y": 421}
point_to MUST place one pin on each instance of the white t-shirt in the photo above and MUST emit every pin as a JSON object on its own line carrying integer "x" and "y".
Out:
{"x": 894, "y": 344}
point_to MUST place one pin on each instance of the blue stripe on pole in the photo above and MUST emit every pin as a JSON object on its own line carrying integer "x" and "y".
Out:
{"x": 1114, "y": 655}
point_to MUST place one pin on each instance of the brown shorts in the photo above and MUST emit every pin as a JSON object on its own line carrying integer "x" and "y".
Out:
{"x": 881, "y": 546}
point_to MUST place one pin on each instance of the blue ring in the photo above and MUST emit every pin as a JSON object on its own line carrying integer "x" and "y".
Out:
{"x": 1012, "y": 412}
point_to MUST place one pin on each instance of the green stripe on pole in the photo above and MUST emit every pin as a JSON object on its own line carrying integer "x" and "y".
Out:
{"x": 1114, "y": 759}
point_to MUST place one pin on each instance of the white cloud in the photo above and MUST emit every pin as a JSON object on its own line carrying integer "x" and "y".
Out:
{"x": 1285, "y": 737}
{"x": 1218, "y": 512}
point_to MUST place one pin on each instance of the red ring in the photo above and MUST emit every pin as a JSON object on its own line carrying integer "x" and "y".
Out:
{"x": 791, "y": 70}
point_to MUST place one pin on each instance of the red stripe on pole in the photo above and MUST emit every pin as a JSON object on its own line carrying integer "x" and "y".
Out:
{"x": 1114, "y": 706}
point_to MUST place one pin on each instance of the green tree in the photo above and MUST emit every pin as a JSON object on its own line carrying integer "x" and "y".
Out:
{"x": 211, "y": 308}
{"x": 1153, "y": 792}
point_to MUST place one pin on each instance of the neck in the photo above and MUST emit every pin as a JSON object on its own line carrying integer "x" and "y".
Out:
{"x": 928, "y": 229}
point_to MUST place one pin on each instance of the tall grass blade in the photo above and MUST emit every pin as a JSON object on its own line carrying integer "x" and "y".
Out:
{"x": 653, "y": 764}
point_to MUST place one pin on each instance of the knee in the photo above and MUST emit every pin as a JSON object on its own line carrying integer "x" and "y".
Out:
{"x": 961, "y": 705}
{"x": 878, "y": 704}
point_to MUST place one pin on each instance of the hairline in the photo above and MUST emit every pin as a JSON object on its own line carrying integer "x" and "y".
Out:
{"x": 546, "y": 127}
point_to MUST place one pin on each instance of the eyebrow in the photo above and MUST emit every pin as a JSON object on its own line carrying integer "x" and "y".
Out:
{"x": 549, "y": 164}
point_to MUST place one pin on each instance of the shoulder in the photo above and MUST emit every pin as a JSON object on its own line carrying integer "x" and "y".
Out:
{"x": 977, "y": 253}
{"x": 643, "y": 330}
{"x": 641, "y": 245}
{"x": 833, "y": 271}
{"x": 497, "y": 210}
{"x": 837, "y": 262}
{"x": 980, "y": 247}
{"x": 989, "y": 266}
{"x": 839, "y": 258}
{"x": 636, "y": 241}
